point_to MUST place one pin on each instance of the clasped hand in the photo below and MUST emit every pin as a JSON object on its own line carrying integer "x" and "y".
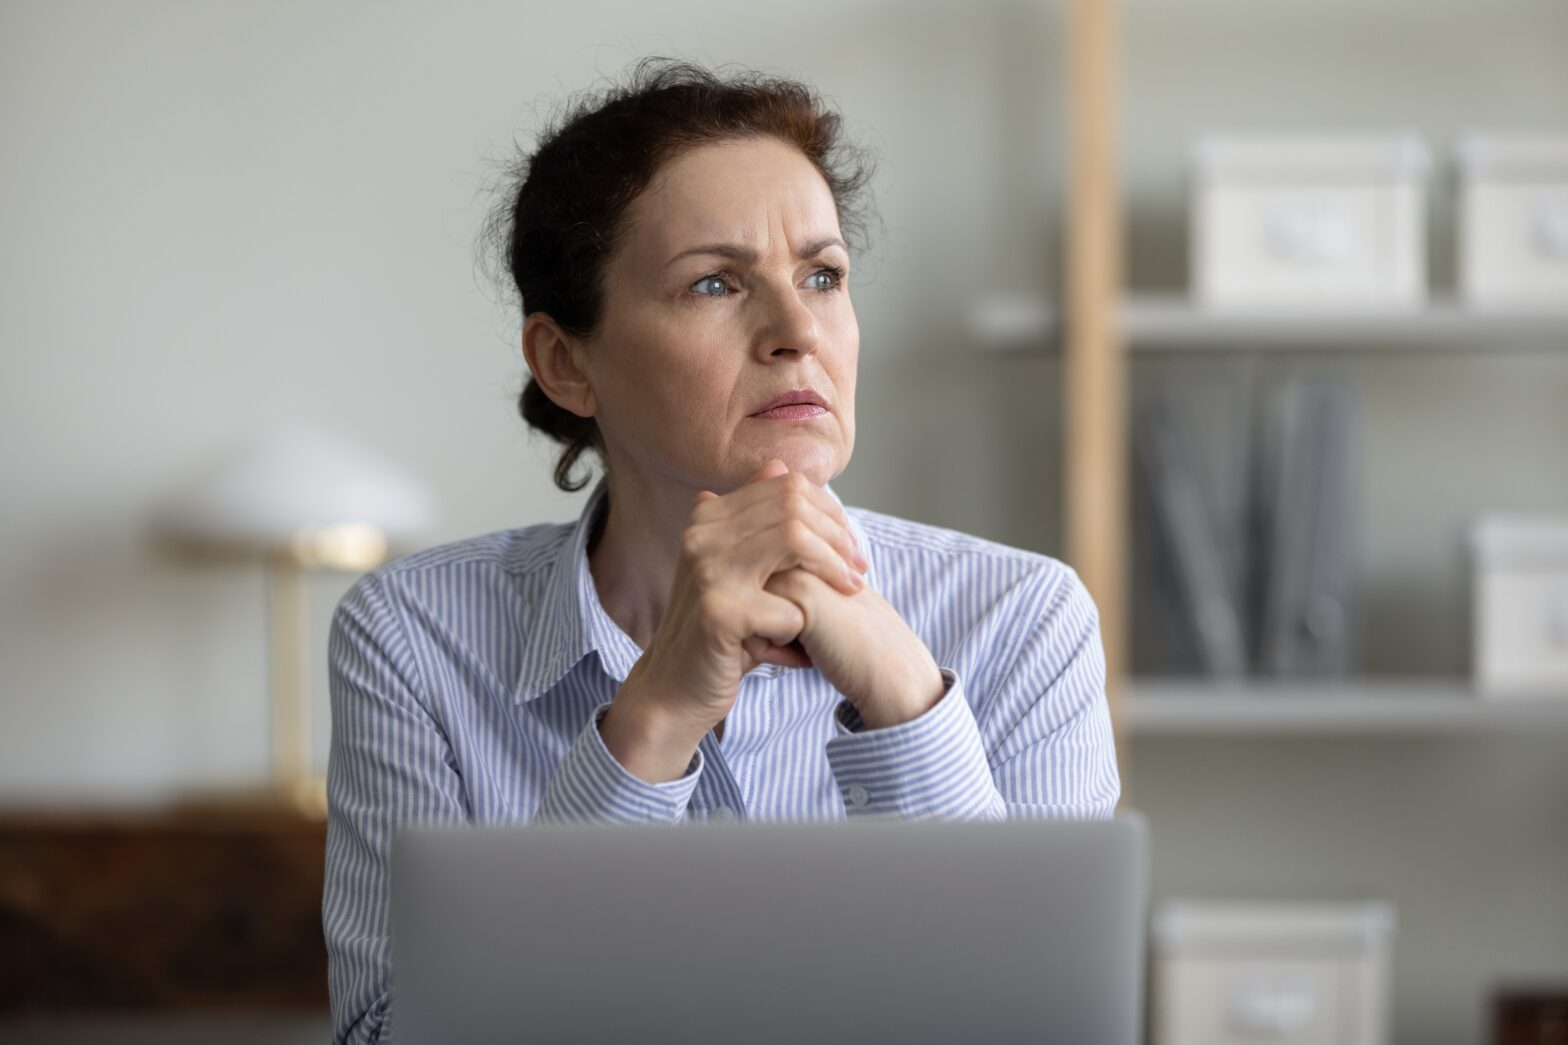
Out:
{"x": 770, "y": 574}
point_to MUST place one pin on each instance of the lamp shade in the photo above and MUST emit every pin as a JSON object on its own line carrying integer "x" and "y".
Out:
{"x": 298, "y": 491}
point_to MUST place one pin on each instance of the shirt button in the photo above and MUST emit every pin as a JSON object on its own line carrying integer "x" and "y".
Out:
{"x": 858, "y": 795}
{"x": 722, "y": 813}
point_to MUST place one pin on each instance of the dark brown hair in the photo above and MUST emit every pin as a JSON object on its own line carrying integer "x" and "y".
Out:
{"x": 561, "y": 214}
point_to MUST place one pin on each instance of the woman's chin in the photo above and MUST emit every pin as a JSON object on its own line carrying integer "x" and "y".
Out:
{"x": 816, "y": 458}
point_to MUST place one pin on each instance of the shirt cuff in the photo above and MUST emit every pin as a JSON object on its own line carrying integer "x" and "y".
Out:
{"x": 934, "y": 765}
{"x": 591, "y": 785}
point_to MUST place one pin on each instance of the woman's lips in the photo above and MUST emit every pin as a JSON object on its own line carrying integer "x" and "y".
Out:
{"x": 792, "y": 412}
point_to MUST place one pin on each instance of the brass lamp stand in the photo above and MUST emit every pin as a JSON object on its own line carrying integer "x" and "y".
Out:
{"x": 288, "y": 678}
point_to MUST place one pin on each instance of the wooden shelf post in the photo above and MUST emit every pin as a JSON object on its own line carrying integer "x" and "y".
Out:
{"x": 1094, "y": 392}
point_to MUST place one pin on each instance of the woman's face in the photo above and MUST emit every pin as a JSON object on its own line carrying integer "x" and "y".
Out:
{"x": 726, "y": 292}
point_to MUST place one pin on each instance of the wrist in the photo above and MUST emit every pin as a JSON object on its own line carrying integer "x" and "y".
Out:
{"x": 645, "y": 738}
{"x": 904, "y": 700}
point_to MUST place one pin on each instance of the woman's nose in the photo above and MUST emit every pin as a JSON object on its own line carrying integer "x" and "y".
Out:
{"x": 789, "y": 327}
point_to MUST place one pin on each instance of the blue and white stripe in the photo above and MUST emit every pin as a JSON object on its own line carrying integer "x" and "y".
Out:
{"x": 467, "y": 681}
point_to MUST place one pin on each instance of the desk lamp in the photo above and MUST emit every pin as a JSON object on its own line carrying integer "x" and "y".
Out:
{"x": 299, "y": 499}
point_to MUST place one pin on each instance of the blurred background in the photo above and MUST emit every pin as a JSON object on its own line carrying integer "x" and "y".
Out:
{"x": 238, "y": 247}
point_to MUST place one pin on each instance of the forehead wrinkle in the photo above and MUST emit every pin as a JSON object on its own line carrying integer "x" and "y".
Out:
{"x": 777, "y": 219}
{"x": 769, "y": 207}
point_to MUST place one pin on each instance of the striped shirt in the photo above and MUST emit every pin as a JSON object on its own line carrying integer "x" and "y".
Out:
{"x": 467, "y": 681}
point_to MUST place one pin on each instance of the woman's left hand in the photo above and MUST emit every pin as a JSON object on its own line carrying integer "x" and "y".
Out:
{"x": 862, "y": 647}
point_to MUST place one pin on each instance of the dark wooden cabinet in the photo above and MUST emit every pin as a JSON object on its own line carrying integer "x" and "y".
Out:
{"x": 185, "y": 910}
{"x": 1531, "y": 1015}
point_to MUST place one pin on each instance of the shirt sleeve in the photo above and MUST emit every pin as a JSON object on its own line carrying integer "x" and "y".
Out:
{"x": 590, "y": 784}
{"x": 389, "y": 764}
{"x": 1056, "y": 754}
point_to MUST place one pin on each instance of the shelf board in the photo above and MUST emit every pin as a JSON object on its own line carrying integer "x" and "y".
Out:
{"x": 1154, "y": 323}
{"x": 1172, "y": 322}
{"x": 1376, "y": 705}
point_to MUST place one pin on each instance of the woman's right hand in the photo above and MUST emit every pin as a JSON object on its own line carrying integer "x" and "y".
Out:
{"x": 720, "y": 623}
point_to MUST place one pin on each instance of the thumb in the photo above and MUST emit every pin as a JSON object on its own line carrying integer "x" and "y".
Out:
{"x": 772, "y": 470}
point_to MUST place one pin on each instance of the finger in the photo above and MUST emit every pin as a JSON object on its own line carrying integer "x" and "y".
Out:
{"x": 783, "y": 484}
{"x": 792, "y": 656}
{"x": 789, "y": 544}
{"x": 762, "y": 651}
{"x": 774, "y": 513}
{"x": 798, "y": 585}
{"x": 771, "y": 618}
{"x": 772, "y": 469}
{"x": 819, "y": 496}
{"x": 702, "y": 498}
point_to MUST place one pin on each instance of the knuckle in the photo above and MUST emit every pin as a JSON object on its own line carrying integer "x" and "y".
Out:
{"x": 797, "y": 535}
{"x": 706, "y": 573}
{"x": 691, "y": 544}
{"x": 796, "y": 502}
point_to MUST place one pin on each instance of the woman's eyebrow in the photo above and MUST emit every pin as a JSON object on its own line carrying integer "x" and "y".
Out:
{"x": 745, "y": 254}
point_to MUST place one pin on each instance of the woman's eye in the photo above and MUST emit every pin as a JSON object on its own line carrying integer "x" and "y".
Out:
{"x": 835, "y": 276}
{"x": 715, "y": 285}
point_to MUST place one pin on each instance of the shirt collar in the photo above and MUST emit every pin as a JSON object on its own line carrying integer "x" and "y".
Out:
{"x": 570, "y": 622}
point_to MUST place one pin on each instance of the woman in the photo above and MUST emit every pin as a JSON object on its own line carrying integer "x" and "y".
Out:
{"x": 717, "y": 636}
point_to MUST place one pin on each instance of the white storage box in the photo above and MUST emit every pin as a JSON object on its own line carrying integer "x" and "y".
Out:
{"x": 1227, "y": 973}
{"x": 1513, "y": 220}
{"x": 1297, "y": 220}
{"x": 1520, "y": 624}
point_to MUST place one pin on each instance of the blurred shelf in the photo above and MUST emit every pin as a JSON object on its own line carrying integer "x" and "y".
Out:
{"x": 1173, "y": 323}
{"x": 1373, "y": 705}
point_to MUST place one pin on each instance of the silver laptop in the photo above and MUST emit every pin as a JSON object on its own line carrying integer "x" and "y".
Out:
{"x": 842, "y": 931}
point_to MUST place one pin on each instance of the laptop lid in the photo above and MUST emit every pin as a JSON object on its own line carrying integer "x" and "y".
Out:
{"x": 839, "y": 931}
